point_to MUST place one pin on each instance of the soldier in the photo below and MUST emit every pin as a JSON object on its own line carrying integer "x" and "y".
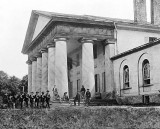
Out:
{"x": 26, "y": 98}
{"x": 31, "y": 97}
{"x": 88, "y": 96}
{"x": 21, "y": 98}
{"x": 83, "y": 90}
{"x": 42, "y": 99}
{"x": 48, "y": 99}
{"x": 77, "y": 98}
{"x": 5, "y": 100}
{"x": 37, "y": 100}
{"x": 14, "y": 101}
{"x": 65, "y": 97}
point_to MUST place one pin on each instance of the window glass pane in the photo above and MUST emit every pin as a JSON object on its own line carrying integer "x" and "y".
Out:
{"x": 78, "y": 60}
{"x": 146, "y": 72}
{"x": 126, "y": 76}
{"x": 95, "y": 51}
{"x": 78, "y": 85}
{"x": 103, "y": 82}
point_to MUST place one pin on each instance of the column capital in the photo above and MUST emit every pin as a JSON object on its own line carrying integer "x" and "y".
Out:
{"x": 33, "y": 58}
{"x": 43, "y": 50}
{"x": 49, "y": 45}
{"x": 28, "y": 62}
{"x": 87, "y": 40}
{"x": 60, "y": 39}
{"x": 109, "y": 41}
{"x": 38, "y": 54}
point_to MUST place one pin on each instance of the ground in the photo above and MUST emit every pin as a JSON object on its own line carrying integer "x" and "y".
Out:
{"x": 79, "y": 117}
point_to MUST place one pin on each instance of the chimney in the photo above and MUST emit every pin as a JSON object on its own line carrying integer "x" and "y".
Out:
{"x": 155, "y": 12}
{"x": 140, "y": 14}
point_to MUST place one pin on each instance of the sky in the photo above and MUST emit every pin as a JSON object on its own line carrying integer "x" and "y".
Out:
{"x": 15, "y": 15}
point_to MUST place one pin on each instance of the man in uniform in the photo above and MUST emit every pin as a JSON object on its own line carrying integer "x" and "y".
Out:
{"x": 88, "y": 96}
{"x": 37, "y": 100}
{"x": 42, "y": 99}
{"x": 31, "y": 98}
{"x": 83, "y": 90}
{"x": 48, "y": 99}
{"x": 21, "y": 98}
{"x": 77, "y": 98}
{"x": 26, "y": 98}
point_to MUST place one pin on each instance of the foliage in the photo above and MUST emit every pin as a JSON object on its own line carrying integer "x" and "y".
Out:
{"x": 81, "y": 118}
{"x": 24, "y": 83}
{"x": 11, "y": 84}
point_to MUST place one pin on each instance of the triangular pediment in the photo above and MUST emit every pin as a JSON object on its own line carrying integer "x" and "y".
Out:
{"x": 36, "y": 24}
{"x": 41, "y": 23}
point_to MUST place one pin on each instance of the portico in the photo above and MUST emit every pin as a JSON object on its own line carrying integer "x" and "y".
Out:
{"x": 56, "y": 44}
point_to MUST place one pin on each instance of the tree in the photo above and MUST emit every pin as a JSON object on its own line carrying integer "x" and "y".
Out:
{"x": 24, "y": 83}
{"x": 13, "y": 84}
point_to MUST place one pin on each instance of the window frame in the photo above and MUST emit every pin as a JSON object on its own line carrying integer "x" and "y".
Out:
{"x": 126, "y": 84}
{"x": 146, "y": 73}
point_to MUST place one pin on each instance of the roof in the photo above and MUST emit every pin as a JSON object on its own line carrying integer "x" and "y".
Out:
{"x": 136, "y": 49}
{"x": 87, "y": 19}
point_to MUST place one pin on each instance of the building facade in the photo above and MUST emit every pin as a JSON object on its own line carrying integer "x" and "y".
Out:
{"x": 68, "y": 51}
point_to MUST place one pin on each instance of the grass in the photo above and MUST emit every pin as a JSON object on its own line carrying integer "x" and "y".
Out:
{"x": 81, "y": 118}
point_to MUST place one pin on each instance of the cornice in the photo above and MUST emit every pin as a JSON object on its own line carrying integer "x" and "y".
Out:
{"x": 66, "y": 28}
{"x": 139, "y": 27}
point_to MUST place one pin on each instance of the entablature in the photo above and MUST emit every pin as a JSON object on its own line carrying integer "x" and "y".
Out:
{"x": 68, "y": 31}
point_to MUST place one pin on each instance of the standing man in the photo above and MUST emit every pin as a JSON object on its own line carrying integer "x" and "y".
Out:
{"x": 83, "y": 90}
{"x": 31, "y": 98}
{"x": 37, "y": 100}
{"x": 26, "y": 98}
{"x": 21, "y": 98}
{"x": 88, "y": 96}
{"x": 48, "y": 99}
{"x": 77, "y": 98}
{"x": 42, "y": 99}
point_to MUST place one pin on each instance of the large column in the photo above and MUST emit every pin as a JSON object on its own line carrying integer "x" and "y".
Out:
{"x": 44, "y": 87}
{"x": 88, "y": 65}
{"x": 34, "y": 69}
{"x": 51, "y": 68}
{"x": 39, "y": 72}
{"x": 29, "y": 76}
{"x": 61, "y": 77}
{"x": 109, "y": 52}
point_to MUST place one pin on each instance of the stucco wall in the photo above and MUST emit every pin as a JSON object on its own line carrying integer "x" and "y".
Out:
{"x": 134, "y": 62}
{"x": 128, "y": 39}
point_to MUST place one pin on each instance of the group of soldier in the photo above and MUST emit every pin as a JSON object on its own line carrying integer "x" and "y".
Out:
{"x": 29, "y": 101}
{"x": 83, "y": 94}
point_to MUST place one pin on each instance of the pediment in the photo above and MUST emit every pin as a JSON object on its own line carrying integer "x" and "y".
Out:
{"x": 41, "y": 23}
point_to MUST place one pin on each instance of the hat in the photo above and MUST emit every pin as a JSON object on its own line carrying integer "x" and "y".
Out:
{"x": 87, "y": 89}
{"x": 37, "y": 92}
{"x": 47, "y": 90}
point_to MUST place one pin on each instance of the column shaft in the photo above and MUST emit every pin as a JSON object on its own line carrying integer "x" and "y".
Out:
{"x": 51, "y": 69}
{"x": 61, "y": 77}
{"x": 88, "y": 66}
{"x": 39, "y": 74}
{"x": 34, "y": 69}
{"x": 29, "y": 78}
{"x": 44, "y": 71}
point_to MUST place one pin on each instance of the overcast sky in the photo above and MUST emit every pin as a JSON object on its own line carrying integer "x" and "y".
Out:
{"x": 15, "y": 15}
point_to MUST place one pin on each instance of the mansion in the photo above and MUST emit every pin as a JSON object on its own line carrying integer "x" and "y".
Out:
{"x": 102, "y": 54}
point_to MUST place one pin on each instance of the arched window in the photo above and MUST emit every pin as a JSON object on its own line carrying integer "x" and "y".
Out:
{"x": 125, "y": 76}
{"x": 146, "y": 72}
